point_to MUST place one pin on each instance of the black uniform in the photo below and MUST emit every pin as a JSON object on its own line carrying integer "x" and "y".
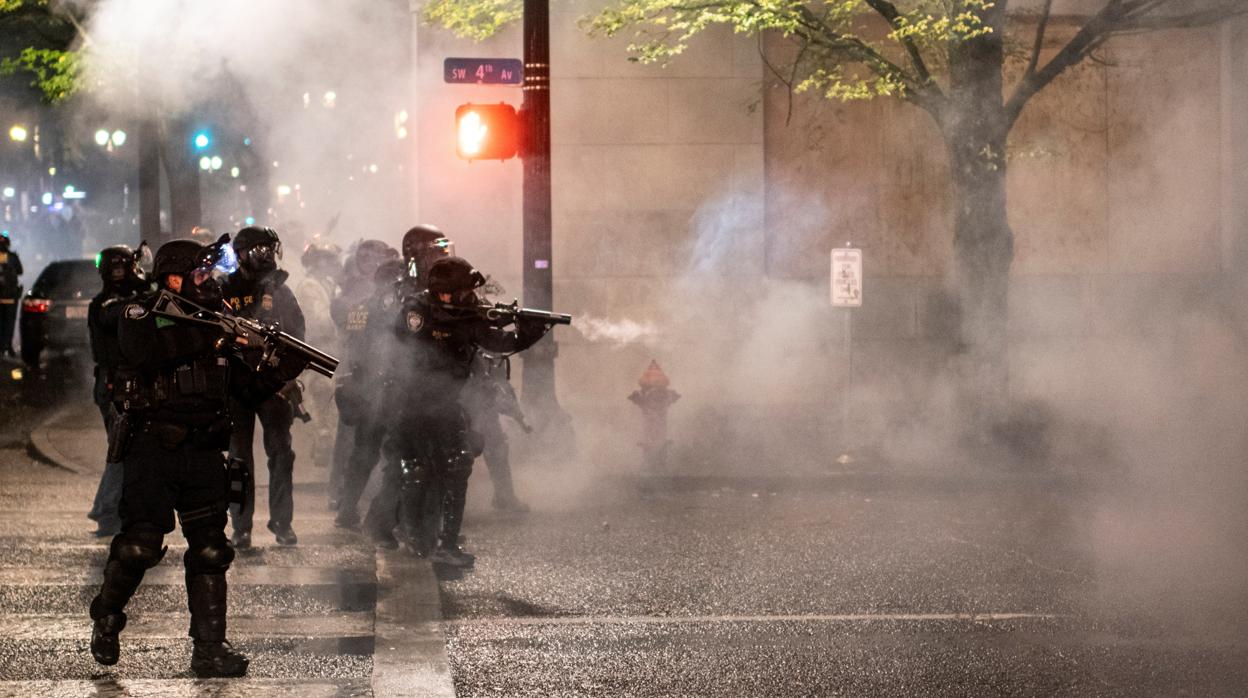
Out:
{"x": 266, "y": 298}
{"x": 103, "y": 316}
{"x": 370, "y": 352}
{"x": 349, "y": 311}
{"x": 173, "y": 391}
{"x": 10, "y": 294}
{"x": 489, "y": 397}
{"x": 430, "y": 443}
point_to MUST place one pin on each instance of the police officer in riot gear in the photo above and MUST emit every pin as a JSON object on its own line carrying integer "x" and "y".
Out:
{"x": 422, "y": 246}
{"x": 173, "y": 390}
{"x": 123, "y": 282}
{"x": 316, "y": 292}
{"x": 370, "y": 354}
{"x": 438, "y": 333}
{"x": 10, "y": 293}
{"x": 258, "y": 290}
{"x": 350, "y": 313}
{"x": 489, "y": 397}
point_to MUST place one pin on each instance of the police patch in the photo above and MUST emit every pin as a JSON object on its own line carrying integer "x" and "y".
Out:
{"x": 415, "y": 321}
{"x": 134, "y": 311}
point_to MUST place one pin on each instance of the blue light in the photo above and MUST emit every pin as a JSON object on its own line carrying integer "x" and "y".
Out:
{"x": 228, "y": 264}
{"x": 249, "y": 220}
{"x": 202, "y": 140}
{"x": 247, "y": 141}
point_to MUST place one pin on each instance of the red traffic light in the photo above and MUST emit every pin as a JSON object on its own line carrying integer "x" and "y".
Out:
{"x": 487, "y": 131}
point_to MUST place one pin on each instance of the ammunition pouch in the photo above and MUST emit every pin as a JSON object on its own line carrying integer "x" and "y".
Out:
{"x": 207, "y": 376}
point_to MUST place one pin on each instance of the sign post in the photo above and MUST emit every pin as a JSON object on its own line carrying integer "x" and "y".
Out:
{"x": 846, "y": 293}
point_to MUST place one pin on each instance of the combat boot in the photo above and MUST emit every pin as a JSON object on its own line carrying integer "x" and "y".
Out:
{"x": 242, "y": 540}
{"x": 217, "y": 658}
{"x": 284, "y": 533}
{"x": 452, "y": 555}
{"x": 213, "y": 656}
{"x": 105, "y": 643}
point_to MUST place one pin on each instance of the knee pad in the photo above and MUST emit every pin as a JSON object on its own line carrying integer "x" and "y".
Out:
{"x": 139, "y": 549}
{"x": 214, "y": 556}
{"x": 209, "y": 556}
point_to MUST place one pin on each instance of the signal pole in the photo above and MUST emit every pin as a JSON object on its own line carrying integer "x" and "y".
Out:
{"x": 538, "y": 387}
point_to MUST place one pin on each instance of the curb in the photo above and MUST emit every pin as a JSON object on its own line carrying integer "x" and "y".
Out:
{"x": 409, "y": 655}
{"x": 42, "y": 447}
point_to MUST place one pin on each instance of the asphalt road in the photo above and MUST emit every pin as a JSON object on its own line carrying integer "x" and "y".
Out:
{"x": 818, "y": 590}
{"x": 879, "y": 586}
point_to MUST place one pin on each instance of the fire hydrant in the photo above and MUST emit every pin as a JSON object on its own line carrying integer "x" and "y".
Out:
{"x": 654, "y": 398}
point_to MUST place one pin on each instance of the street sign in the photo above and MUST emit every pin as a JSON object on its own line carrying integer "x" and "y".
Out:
{"x": 483, "y": 71}
{"x": 847, "y": 278}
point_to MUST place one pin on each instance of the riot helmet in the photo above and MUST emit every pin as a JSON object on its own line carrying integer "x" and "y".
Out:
{"x": 258, "y": 249}
{"x": 322, "y": 258}
{"x": 371, "y": 254}
{"x": 424, "y": 245}
{"x": 118, "y": 265}
{"x": 454, "y": 276}
{"x": 4, "y": 241}
{"x": 203, "y": 235}
{"x": 187, "y": 261}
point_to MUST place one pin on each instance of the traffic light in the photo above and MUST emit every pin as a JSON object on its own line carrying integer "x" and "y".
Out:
{"x": 487, "y": 131}
{"x": 202, "y": 139}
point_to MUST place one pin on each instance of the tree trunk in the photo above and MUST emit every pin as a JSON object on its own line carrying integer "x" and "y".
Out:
{"x": 983, "y": 246}
{"x": 976, "y": 128}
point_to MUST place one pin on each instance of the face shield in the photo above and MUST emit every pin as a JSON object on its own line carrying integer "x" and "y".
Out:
{"x": 218, "y": 257}
{"x": 263, "y": 257}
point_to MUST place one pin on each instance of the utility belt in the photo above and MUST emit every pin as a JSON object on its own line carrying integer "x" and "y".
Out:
{"x": 209, "y": 433}
{"x": 207, "y": 377}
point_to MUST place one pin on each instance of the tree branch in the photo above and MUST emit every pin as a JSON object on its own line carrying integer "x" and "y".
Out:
{"x": 1116, "y": 17}
{"x": 1092, "y": 34}
{"x": 889, "y": 12}
{"x": 1040, "y": 30}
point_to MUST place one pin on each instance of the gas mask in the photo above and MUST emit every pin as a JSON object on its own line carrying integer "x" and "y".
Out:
{"x": 207, "y": 292}
{"x": 262, "y": 258}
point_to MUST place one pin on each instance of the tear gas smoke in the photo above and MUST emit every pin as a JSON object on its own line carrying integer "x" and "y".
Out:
{"x": 617, "y": 332}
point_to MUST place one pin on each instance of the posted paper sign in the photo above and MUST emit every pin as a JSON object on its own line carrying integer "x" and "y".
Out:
{"x": 847, "y": 278}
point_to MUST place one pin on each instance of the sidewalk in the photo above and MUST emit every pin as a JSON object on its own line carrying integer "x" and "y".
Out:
{"x": 329, "y": 602}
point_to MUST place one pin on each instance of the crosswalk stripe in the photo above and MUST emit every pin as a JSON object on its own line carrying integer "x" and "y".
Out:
{"x": 257, "y": 575}
{"x": 48, "y": 626}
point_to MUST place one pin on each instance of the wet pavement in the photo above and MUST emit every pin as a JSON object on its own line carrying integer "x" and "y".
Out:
{"x": 813, "y": 592}
{"x": 865, "y": 585}
{"x": 328, "y": 617}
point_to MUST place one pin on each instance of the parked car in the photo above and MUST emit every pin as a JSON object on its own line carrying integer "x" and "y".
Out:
{"x": 54, "y": 311}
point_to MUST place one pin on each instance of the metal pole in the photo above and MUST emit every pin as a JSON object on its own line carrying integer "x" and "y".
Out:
{"x": 538, "y": 387}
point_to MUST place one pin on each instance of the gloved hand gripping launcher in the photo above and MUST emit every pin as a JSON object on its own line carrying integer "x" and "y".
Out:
{"x": 269, "y": 337}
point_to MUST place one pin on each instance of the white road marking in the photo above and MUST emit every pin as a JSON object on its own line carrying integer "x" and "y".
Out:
{"x": 805, "y": 618}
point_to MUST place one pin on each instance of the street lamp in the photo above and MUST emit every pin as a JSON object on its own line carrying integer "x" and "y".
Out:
{"x": 18, "y": 133}
{"x": 119, "y": 137}
{"x": 101, "y": 137}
